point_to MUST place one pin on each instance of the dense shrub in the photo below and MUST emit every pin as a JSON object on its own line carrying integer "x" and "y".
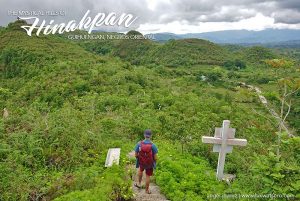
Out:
{"x": 234, "y": 64}
{"x": 11, "y": 60}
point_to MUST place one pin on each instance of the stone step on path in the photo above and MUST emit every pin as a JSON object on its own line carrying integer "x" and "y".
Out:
{"x": 140, "y": 193}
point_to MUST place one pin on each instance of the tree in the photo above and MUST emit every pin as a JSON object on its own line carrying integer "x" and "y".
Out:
{"x": 279, "y": 63}
{"x": 288, "y": 86}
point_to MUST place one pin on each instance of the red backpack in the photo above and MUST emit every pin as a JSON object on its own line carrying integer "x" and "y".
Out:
{"x": 145, "y": 155}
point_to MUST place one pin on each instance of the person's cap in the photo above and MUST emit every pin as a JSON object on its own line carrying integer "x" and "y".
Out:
{"x": 147, "y": 133}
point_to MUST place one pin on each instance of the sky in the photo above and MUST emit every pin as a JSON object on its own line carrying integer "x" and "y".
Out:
{"x": 175, "y": 16}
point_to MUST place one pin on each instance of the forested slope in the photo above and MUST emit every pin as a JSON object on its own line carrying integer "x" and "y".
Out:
{"x": 67, "y": 104}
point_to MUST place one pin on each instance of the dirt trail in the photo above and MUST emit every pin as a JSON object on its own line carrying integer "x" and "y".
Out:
{"x": 140, "y": 194}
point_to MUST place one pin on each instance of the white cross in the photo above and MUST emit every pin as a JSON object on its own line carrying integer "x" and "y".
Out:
{"x": 223, "y": 142}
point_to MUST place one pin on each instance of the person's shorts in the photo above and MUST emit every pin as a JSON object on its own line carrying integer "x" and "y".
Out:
{"x": 149, "y": 172}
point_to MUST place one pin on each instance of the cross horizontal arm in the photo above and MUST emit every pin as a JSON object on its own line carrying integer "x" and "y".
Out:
{"x": 213, "y": 140}
{"x": 239, "y": 142}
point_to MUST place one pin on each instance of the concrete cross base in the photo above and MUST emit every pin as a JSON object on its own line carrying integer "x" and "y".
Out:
{"x": 228, "y": 178}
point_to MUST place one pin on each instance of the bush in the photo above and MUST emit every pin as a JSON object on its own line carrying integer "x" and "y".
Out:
{"x": 234, "y": 64}
{"x": 214, "y": 75}
{"x": 263, "y": 80}
{"x": 272, "y": 96}
{"x": 11, "y": 61}
{"x": 184, "y": 177}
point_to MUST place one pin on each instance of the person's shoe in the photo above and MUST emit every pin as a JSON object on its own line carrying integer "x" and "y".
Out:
{"x": 137, "y": 185}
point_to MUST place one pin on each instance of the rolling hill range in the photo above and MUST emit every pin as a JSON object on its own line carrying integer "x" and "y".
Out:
{"x": 244, "y": 37}
{"x": 66, "y": 102}
{"x": 175, "y": 53}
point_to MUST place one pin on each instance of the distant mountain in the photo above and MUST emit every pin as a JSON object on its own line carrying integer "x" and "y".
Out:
{"x": 238, "y": 36}
{"x": 284, "y": 44}
{"x": 162, "y": 37}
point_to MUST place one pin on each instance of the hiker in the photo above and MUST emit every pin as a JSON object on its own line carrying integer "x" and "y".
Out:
{"x": 146, "y": 155}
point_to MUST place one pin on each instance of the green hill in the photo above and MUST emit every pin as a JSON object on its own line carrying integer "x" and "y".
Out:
{"x": 258, "y": 54}
{"x": 173, "y": 53}
{"x": 134, "y": 50}
{"x": 68, "y": 101}
{"x": 187, "y": 52}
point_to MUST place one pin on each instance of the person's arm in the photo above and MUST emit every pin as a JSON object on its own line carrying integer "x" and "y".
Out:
{"x": 155, "y": 151}
{"x": 155, "y": 157}
{"x": 136, "y": 149}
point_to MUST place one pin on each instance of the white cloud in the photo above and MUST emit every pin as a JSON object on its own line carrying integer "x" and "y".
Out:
{"x": 176, "y": 16}
{"x": 152, "y": 4}
{"x": 258, "y": 22}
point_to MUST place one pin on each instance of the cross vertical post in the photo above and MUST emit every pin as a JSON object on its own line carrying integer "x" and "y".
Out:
{"x": 222, "y": 153}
